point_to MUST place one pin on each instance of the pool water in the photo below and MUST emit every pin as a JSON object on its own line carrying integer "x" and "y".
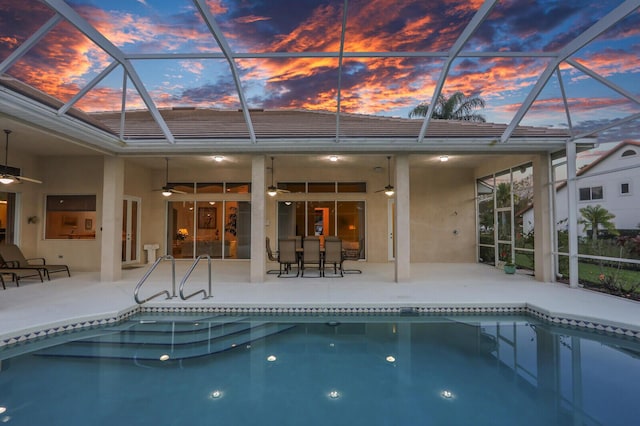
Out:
{"x": 389, "y": 370}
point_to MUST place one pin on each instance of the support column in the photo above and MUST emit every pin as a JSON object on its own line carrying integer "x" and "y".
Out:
{"x": 572, "y": 224}
{"x": 111, "y": 238}
{"x": 543, "y": 224}
{"x": 402, "y": 220}
{"x": 258, "y": 222}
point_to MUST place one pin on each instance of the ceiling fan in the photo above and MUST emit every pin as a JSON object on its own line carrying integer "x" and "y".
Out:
{"x": 168, "y": 188}
{"x": 388, "y": 190}
{"x": 6, "y": 177}
{"x": 272, "y": 190}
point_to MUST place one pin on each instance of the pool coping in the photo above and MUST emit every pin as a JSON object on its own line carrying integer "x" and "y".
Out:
{"x": 97, "y": 320}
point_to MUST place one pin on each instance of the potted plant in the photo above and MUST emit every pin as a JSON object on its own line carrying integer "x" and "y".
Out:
{"x": 509, "y": 266}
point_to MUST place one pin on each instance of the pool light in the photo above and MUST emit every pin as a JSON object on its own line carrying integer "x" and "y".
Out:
{"x": 446, "y": 394}
{"x": 271, "y": 358}
{"x": 334, "y": 394}
{"x": 216, "y": 394}
{"x": 3, "y": 410}
{"x": 391, "y": 358}
{"x": 164, "y": 357}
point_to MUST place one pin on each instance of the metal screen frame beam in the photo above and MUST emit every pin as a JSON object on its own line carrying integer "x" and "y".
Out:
{"x": 340, "y": 57}
{"x": 29, "y": 43}
{"x": 105, "y": 44}
{"x": 468, "y": 31}
{"x": 216, "y": 32}
{"x": 612, "y": 18}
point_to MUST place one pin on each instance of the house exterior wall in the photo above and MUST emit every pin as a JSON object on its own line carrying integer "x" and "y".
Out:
{"x": 68, "y": 176}
{"x": 626, "y": 208}
{"x": 442, "y": 204}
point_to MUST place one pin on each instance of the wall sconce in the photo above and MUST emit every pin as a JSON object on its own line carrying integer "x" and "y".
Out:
{"x": 32, "y": 219}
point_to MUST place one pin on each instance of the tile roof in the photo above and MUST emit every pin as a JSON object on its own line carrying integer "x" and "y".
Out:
{"x": 207, "y": 123}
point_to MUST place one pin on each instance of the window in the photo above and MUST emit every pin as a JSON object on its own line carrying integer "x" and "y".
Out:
{"x": 299, "y": 187}
{"x": 591, "y": 193}
{"x": 238, "y": 188}
{"x": 625, "y": 188}
{"x": 209, "y": 187}
{"x": 352, "y": 187}
{"x": 315, "y": 187}
{"x": 71, "y": 217}
{"x": 628, "y": 153}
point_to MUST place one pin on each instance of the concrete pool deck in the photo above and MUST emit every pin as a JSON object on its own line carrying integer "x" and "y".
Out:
{"x": 449, "y": 288}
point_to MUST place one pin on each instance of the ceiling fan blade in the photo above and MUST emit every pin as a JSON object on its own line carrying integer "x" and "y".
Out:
{"x": 283, "y": 191}
{"x": 177, "y": 191}
{"x": 27, "y": 179}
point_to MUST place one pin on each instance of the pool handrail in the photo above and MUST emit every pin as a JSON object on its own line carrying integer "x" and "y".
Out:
{"x": 188, "y": 274}
{"x": 146, "y": 275}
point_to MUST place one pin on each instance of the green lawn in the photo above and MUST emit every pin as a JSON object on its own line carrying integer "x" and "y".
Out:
{"x": 590, "y": 273}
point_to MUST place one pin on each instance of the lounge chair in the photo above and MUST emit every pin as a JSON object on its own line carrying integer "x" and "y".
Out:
{"x": 333, "y": 256}
{"x": 17, "y": 274}
{"x": 11, "y": 258}
{"x": 311, "y": 254}
{"x": 287, "y": 256}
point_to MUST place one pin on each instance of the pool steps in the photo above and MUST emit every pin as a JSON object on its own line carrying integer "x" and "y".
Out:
{"x": 146, "y": 340}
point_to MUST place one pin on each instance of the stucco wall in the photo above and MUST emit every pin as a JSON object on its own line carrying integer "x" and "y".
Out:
{"x": 442, "y": 215}
{"x": 69, "y": 176}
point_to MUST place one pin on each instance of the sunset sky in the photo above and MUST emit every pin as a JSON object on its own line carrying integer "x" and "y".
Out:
{"x": 65, "y": 60}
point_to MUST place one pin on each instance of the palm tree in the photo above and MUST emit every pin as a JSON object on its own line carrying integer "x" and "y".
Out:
{"x": 456, "y": 107}
{"x": 595, "y": 216}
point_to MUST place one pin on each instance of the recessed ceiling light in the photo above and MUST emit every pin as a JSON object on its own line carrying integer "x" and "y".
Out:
{"x": 444, "y": 158}
{"x": 218, "y": 158}
{"x": 333, "y": 158}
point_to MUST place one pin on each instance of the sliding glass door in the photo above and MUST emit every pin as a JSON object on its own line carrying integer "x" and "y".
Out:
{"x": 220, "y": 229}
{"x": 345, "y": 219}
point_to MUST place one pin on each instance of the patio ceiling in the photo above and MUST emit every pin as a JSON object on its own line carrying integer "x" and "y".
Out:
{"x": 87, "y": 69}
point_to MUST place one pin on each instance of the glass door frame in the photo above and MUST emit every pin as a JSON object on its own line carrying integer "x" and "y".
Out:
{"x": 131, "y": 247}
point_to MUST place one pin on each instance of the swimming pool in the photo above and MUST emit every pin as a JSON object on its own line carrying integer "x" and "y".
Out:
{"x": 315, "y": 370}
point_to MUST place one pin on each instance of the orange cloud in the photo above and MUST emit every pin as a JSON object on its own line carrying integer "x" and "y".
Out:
{"x": 251, "y": 19}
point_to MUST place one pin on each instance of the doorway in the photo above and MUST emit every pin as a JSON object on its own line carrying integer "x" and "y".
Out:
{"x": 131, "y": 215}
{"x": 7, "y": 217}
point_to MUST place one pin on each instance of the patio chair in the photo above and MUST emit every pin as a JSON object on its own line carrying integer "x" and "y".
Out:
{"x": 333, "y": 256}
{"x": 271, "y": 257}
{"x": 11, "y": 257}
{"x": 354, "y": 254}
{"x": 287, "y": 257}
{"x": 311, "y": 254}
{"x": 298, "y": 240}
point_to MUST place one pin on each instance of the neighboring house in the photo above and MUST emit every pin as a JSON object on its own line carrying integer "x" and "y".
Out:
{"x": 613, "y": 181}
